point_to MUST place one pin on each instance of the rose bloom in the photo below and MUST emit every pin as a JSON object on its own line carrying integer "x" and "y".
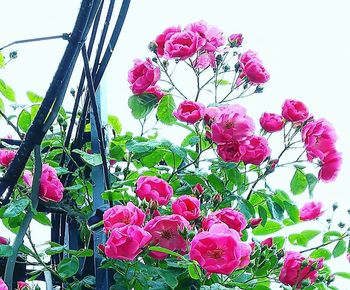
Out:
{"x": 219, "y": 250}
{"x": 3, "y": 286}
{"x": 256, "y": 72}
{"x": 190, "y": 112}
{"x": 121, "y": 215}
{"x": 295, "y": 111}
{"x": 319, "y": 138}
{"x": 330, "y": 166}
{"x": 186, "y": 206}
{"x": 246, "y": 250}
{"x": 293, "y": 273}
{"x": 126, "y": 243}
{"x": 211, "y": 115}
{"x": 165, "y": 36}
{"x": 271, "y": 122}
{"x": 181, "y": 45}
{"x": 311, "y": 210}
{"x": 232, "y": 125}
{"x": 4, "y": 241}
{"x": 232, "y": 218}
{"x": 253, "y": 150}
{"x": 51, "y": 188}
{"x": 204, "y": 60}
{"x": 155, "y": 90}
{"x": 247, "y": 57}
{"x": 143, "y": 75}
{"x": 209, "y": 37}
{"x": 23, "y": 285}
{"x": 153, "y": 188}
{"x": 235, "y": 39}
{"x": 267, "y": 242}
{"x": 165, "y": 233}
{"x": 6, "y": 156}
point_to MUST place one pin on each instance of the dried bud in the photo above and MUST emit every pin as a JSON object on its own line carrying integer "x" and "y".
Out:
{"x": 152, "y": 47}
{"x": 341, "y": 225}
{"x": 217, "y": 198}
{"x": 335, "y": 206}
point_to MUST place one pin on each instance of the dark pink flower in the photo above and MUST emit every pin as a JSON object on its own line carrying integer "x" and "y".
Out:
{"x": 186, "y": 206}
{"x": 3, "y": 286}
{"x": 295, "y": 111}
{"x": 219, "y": 250}
{"x": 165, "y": 36}
{"x": 181, "y": 45}
{"x": 330, "y": 166}
{"x": 121, "y": 215}
{"x": 165, "y": 233}
{"x": 23, "y": 285}
{"x": 153, "y": 188}
{"x": 267, "y": 242}
{"x": 155, "y": 90}
{"x": 246, "y": 250}
{"x": 234, "y": 219}
{"x": 126, "y": 243}
{"x": 293, "y": 272}
{"x": 143, "y": 75}
{"x": 235, "y": 39}
{"x": 271, "y": 122}
{"x": 190, "y": 112}
{"x": 4, "y": 241}
{"x": 248, "y": 56}
{"x": 256, "y": 72}
{"x": 311, "y": 210}
{"x": 6, "y": 156}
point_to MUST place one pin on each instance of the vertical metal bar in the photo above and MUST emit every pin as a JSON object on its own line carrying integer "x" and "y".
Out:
{"x": 102, "y": 275}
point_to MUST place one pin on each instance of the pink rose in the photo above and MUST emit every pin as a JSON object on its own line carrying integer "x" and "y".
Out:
{"x": 211, "y": 114}
{"x": 165, "y": 233}
{"x": 246, "y": 250}
{"x": 247, "y": 57}
{"x": 204, "y": 60}
{"x": 23, "y": 285}
{"x": 121, "y": 215}
{"x": 209, "y": 37}
{"x": 143, "y": 75}
{"x": 181, "y": 45}
{"x": 6, "y": 156}
{"x": 186, "y": 206}
{"x": 271, "y": 122}
{"x": 126, "y": 243}
{"x": 235, "y": 39}
{"x": 51, "y": 188}
{"x": 330, "y": 166}
{"x": 319, "y": 138}
{"x": 153, "y": 188}
{"x": 232, "y": 218}
{"x": 229, "y": 152}
{"x": 267, "y": 242}
{"x": 232, "y": 124}
{"x": 4, "y": 241}
{"x": 256, "y": 72}
{"x": 155, "y": 90}
{"x": 190, "y": 112}
{"x": 295, "y": 111}
{"x": 3, "y": 286}
{"x": 311, "y": 210}
{"x": 164, "y": 37}
{"x": 293, "y": 272}
{"x": 218, "y": 250}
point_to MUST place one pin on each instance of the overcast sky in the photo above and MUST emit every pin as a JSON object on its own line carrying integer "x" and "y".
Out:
{"x": 303, "y": 44}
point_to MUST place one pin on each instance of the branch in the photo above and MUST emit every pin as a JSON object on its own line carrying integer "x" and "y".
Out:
{"x": 14, "y": 127}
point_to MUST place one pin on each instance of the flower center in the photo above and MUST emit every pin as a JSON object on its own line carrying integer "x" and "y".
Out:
{"x": 228, "y": 125}
{"x": 216, "y": 254}
{"x": 166, "y": 234}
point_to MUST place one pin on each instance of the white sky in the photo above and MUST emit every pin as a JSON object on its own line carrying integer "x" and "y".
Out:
{"x": 303, "y": 44}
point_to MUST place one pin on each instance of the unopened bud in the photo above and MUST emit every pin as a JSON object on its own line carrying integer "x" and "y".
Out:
{"x": 255, "y": 222}
{"x": 217, "y": 198}
{"x": 335, "y": 206}
{"x": 152, "y": 46}
{"x": 341, "y": 225}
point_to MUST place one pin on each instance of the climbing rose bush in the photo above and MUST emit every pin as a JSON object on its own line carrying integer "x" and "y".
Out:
{"x": 201, "y": 210}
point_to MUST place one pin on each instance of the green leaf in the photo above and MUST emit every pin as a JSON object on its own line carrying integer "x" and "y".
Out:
{"x": 24, "y": 120}
{"x": 168, "y": 277}
{"x": 311, "y": 182}
{"x": 298, "y": 183}
{"x": 6, "y": 251}
{"x": 321, "y": 253}
{"x": 55, "y": 250}
{"x": 303, "y": 238}
{"x": 222, "y": 82}
{"x": 34, "y": 98}
{"x": 345, "y": 275}
{"x": 165, "y": 110}
{"x": 91, "y": 159}
{"x": 327, "y": 236}
{"x": 275, "y": 210}
{"x": 194, "y": 271}
{"x": 246, "y": 208}
{"x": 270, "y": 227}
{"x": 115, "y": 123}
{"x": 2, "y": 60}
{"x": 216, "y": 182}
{"x": 7, "y": 91}
{"x": 262, "y": 214}
{"x": 142, "y": 105}
{"x": 42, "y": 218}
{"x": 339, "y": 249}
{"x": 16, "y": 207}
{"x": 68, "y": 267}
{"x": 292, "y": 211}
{"x": 165, "y": 251}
